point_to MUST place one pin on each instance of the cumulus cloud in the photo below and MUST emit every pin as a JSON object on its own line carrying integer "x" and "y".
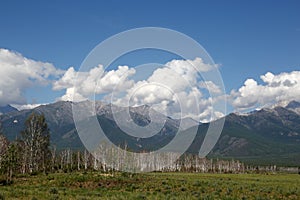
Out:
{"x": 66, "y": 81}
{"x": 210, "y": 86}
{"x": 275, "y": 88}
{"x": 116, "y": 80}
{"x": 81, "y": 85}
{"x": 18, "y": 73}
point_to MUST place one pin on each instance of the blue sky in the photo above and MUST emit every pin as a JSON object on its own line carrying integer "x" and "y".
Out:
{"x": 248, "y": 38}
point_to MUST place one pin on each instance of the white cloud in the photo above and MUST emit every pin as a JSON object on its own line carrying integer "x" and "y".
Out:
{"x": 186, "y": 66}
{"x": 18, "y": 73}
{"x": 81, "y": 85}
{"x": 71, "y": 95}
{"x": 66, "y": 81}
{"x": 26, "y": 106}
{"x": 210, "y": 86}
{"x": 116, "y": 80}
{"x": 275, "y": 88}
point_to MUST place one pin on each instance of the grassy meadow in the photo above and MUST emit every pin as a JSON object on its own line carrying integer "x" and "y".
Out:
{"x": 95, "y": 185}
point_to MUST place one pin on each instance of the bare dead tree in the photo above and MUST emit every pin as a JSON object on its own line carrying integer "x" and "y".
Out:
{"x": 36, "y": 137}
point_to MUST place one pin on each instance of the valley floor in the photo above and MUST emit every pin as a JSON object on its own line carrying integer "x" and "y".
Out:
{"x": 94, "y": 185}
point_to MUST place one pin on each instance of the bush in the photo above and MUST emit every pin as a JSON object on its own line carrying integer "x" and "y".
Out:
{"x": 34, "y": 173}
{"x": 53, "y": 191}
{"x": 183, "y": 189}
{"x": 3, "y": 182}
{"x": 141, "y": 197}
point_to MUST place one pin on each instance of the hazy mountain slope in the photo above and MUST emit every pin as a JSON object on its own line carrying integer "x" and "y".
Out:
{"x": 294, "y": 106}
{"x": 7, "y": 109}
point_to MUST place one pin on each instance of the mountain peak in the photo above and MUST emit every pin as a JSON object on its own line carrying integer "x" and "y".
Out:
{"x": 279, "y": 104}
{"x": 293, "y": 105}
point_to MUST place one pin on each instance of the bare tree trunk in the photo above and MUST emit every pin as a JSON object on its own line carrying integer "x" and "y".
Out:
{"x": 85, "y": 160}
{"x": 53, "y": 157}
{"x": 78, "y": 160}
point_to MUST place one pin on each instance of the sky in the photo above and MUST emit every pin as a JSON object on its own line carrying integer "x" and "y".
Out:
{"x": 255, "y": 44}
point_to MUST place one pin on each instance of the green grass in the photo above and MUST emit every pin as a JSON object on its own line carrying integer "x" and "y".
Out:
{"x": 94, "y": 185}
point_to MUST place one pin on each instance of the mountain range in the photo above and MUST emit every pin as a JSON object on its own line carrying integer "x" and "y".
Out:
{"x": 263, "y": 137}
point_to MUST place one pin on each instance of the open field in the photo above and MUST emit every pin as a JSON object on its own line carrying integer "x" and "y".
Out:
{"x": 93, "y": 185}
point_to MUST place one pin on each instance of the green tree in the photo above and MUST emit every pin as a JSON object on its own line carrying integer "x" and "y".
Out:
{"x": 36, "y": 138}
{"x": 9, "y": 164}
{"x": 3, "y": 147}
